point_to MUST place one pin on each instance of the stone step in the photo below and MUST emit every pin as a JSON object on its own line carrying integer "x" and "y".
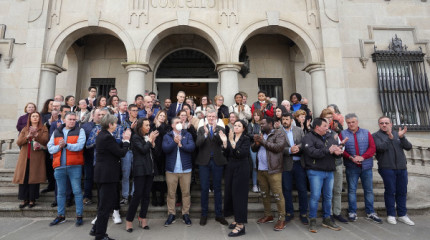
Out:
{"x": 10, "y": 194}
{"x": 255, "y": 210}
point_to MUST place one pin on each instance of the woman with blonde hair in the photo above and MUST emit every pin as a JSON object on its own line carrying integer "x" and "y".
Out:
{"x": 22, "y": 120}
{"x": 30, "y": 169}
{"x": 301, "y": 122}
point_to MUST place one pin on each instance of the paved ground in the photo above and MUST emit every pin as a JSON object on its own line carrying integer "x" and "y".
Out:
{"x": 37, "y": 228}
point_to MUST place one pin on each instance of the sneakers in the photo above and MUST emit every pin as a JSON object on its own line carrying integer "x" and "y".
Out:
{"x": 288, "y": 217}
{"x": 124, "y": 201}
{"x": 313, "y": 225}
{"x": 79, "y": 222}
{"x": 405, "y": 219}
{"x": 171, "y": 219}
{"x": 304, "y": 219}
{"x": 374, "y": 218}
{"x": 328, "y": 223}
{"x": 87, "y": 201}
{"x": 352, "y": 217}
{"x": 255, "y": 189}
{"x": 93, "y": 222}
{"x": 391, "y": 220}
{"x": 340, "y": 218}
{"x": 58, "y": 220}
{"x": 187, "y": 220}
{"x": 116, "y": 217}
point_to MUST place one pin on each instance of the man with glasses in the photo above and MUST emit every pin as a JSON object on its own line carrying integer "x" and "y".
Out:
{"x": 392, "y": 168}
{"x": 66, "y": 145}
{"x": 91, "y": 100}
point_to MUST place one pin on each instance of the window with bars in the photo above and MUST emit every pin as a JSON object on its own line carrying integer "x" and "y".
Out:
{"x": 272, "y": 86}
{"x": 103, "y": 85}
{"x": 403, "y": 86}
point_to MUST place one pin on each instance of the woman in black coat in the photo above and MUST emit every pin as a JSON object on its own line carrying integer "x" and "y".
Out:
{"x": 236, "y": 149}
{"x": 107, "y": 171}
{"x": 144, "y": 168}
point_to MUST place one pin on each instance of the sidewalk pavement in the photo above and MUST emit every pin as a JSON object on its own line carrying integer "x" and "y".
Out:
{"x": 38, "y": 228}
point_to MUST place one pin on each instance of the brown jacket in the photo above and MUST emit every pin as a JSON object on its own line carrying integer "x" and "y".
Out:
{"x": 275, "y": 144}
{"x": 37, "y": 171}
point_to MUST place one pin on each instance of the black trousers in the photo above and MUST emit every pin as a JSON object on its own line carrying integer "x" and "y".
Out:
{"x": 108, "y": 194}
{"x": 28, "y": 192}
{"x": 49, "y": 171}
{"x": 142, "y": 190}
{"x": 236, "y": 190}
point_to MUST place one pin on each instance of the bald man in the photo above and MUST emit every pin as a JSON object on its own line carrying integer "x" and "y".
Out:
{"x": 148, "y": 110}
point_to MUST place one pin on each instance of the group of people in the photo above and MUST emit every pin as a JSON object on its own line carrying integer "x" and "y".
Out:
{"x": 107, "y": 141}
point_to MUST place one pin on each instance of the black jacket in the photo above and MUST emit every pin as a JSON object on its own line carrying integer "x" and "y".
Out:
{"x": 223, "y": 112}
{"x": 240, "y": 152}
{"x": 316, "y": 151}
{"x": 109, "y": 154}
{"x": 143, "y": 162}
{"x": 206, "y": 145}
{"x": 389, "y": 152}
{"x": 159, "y": 156}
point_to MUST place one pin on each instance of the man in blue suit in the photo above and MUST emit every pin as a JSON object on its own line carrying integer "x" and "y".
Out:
{"x": 177, "y": 106}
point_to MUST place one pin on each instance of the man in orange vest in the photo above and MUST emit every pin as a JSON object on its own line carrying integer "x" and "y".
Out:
{"x": 66, "y": 145}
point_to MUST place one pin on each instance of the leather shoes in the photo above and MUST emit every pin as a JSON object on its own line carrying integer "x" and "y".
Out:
{"x": 107, "y": 238}
{"x": 203, "y": 220}
{"x": 54, "y": 204}
{"x": 45, "y": 190}
{"x": 265, "y": 219}
{"x": 221, "y": 220}
{"x": 280, "y": 225}
{"x": 93, "y": 232}
{"x": 239, "y": 233}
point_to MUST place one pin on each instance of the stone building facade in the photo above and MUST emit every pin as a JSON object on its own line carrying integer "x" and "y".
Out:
{"x": 320, "y": 48}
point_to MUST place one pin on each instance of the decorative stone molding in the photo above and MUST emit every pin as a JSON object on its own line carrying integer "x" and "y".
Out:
{"x": 137, "y": 9}
{"x": 55, "y": 12}
{"x": 331, "y": 10}
{"x": 8, "y": 49}
{"x": 228, "y": 66}
{"x": 312, "y": 67}
{"x": 312, "y": 13}
{"x": 228, "y": 9}
{"x": 272, "y": 18}
{"x": 36, "y": 9}
{"x": 183, "y": 17}
{"x": 371, "y": 41}
{"x": 51, "y": 67}
{"x": 134, "y": 66}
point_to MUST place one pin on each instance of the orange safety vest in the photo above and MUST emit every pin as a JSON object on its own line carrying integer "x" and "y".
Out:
{"x": 72, "y": 158}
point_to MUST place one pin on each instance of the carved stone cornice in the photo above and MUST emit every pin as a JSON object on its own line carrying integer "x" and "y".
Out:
{"x": 312, "y": 67}
{"x": 52, "y": 67}
{"x": 136, "y": 66}
{"x": 229, "y": 66}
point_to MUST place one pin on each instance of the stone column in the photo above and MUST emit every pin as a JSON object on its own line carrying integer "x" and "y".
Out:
{"x": 136, "y": 79}
{"x": 48, "y": 82}
{"x": 229, "y": 82}
{"x": 319, "y": 87}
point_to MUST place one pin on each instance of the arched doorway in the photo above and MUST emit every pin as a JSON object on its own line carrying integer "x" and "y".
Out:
{"x": 186, "y": 70}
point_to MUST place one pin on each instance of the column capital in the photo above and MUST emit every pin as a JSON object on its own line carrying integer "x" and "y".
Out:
{"x": 312, "y": 67}
{"x": 52, "y": 67}
{"x": 229, "y": 66}
{"x": 136, "y": 66}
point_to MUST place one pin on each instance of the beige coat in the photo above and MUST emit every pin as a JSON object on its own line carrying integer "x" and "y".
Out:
{"x": 37, "y": 173}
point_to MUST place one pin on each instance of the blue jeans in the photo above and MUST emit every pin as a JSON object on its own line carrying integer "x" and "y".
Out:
{"x": 126, "y": 164}
{"x": 254, "y": 167}
{"x": 366, "y": 176}
{"x": 396, "y": 188}
{"x": 320, "y": 180}
{"x": 297, "y": 174}
{"x": 205, "y": 172}
{"x": 74, "y": 174}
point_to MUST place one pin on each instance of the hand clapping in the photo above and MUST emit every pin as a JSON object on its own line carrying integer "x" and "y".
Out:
{"x": 127, "y": 134}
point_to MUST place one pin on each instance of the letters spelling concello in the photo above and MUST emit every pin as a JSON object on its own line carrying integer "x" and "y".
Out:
{"x": 183, "y": 3}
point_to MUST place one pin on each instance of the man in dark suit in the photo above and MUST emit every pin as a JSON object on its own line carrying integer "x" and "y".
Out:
{"x": 107, "y": 171}
{"x": 177, "y": 106}
{"x": 122, "y": 114}
{"x": 294, "y": 170}
{"x": 210, "y": 160}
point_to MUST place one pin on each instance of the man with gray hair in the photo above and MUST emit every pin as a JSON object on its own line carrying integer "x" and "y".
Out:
{"x": 177, "y": 106}
{"x": 66, "y": 145}
{"x": 358, "y": 161}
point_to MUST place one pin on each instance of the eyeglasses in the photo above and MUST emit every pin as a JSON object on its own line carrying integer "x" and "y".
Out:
{"x": 134, "y": 110}
{"x": 384, "y": 123}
